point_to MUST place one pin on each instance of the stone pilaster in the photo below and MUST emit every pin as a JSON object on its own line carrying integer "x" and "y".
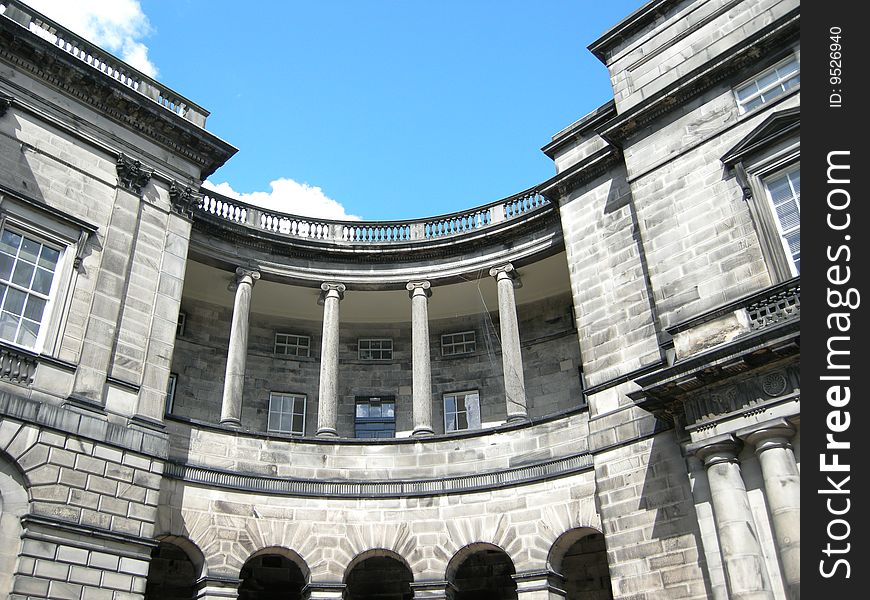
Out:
{"x": 433, "y": 590}
{"x": 323, "y": 591}
{"x": 782, "y": 487}
{"x": 422, "y": 369}
{"x": 745, "y": 569}
{"x": 511, "y": 354}
{"x": 213, "y": 588}
{"x": 540, "y": 585}
{"x": 237, "y": 354}
{"x": 328, "y": 400}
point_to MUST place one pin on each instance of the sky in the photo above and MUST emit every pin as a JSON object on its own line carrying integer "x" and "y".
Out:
{"x": 377, "y": 109}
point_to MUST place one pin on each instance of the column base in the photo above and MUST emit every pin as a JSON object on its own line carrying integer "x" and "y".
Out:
{"x": 327, "y": 432}
{"x": 231, "y": 423}
{"x": 517, "y": 419}
{"x": 422, "y": 432}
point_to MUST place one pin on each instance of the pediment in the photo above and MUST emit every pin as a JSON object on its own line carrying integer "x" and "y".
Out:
{"x": 774, "y": 128}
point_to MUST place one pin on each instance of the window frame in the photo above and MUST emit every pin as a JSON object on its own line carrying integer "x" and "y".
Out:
{"x": 287, "y": 345}
{"x": 453, "y": 344}
{"x": 455, "y": 395}
{"x": 741, "y": 104}
{"x": 359, "y": 349}
{"x": 181, "y": 324}
{"x": 357, "y": 420}
{"x": 171, "y": 387}
{"x": 283, "y": 395}
{"x": 793, "y": 167}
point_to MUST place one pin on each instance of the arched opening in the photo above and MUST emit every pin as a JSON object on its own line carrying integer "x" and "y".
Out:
{"x": 13, "y": 505}
{"x": 172, "y": 575}
{"x": 270, "y": 575}
{"x": 482, "y": 572}
{"x": 378, "y": 575}
{"x": 580, "y": 557}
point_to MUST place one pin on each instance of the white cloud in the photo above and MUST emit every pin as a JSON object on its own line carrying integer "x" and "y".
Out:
{"x": 117, "y": 26}
{"x": 291, "y": 197}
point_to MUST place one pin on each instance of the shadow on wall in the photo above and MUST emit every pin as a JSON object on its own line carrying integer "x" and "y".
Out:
{"x": 13, "y": 505}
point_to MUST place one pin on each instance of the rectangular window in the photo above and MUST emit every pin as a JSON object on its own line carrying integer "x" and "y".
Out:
{"x": 287, "y": 413}
{"x": 375, "y": 349}
{"x": 288, "y": 344}
{"x": 375, "y": 417}
{"x": 461, "y": 411}
{"x": 768, "y": 85}
{"x": 179, "y": 326}
{"x": 27, "y": 269}
{"x": 170, "y": 393}
{"x": 784, "y": 194}
{"x": 463, "y": 342}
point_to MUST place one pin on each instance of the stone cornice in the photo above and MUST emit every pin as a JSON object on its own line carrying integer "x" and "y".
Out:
{"x": 89, "y": 86}
{"x": 766, "y": 41}
{"x": 642, "y": 17}
{"x": 251, "y": 482}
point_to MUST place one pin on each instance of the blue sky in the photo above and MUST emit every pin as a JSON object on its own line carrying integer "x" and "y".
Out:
{"x": 393, "y": 109}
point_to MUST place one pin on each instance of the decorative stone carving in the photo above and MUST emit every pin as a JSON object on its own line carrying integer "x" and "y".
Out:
{"x": 132, "y": 175}
{"x": 5, "y": 104}
{"x": 183, "y": 198}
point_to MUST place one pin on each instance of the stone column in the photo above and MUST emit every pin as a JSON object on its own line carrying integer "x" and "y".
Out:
{"x": 745, "y": 570}
{"x": 433, "y": 590}
{"x": 328, "y": 401}
{"x": 422, "y": 368}
{"x": 511, "y": 355}
{"x": 782, "y": 487}
{"x": 540, "y": 585}
{"x": 237, "y": 354}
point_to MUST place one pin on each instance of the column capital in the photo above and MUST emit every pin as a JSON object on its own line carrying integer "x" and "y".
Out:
{"x": 505, "y": 271}
{"x": 213, "y": 587}
{"x": 245, "y": 275}
{"x": 719, "y": 449}
{"x": 333, "y": 289}
{"x": 419, "y": 288}
{"x": 768, "y": 435}
{"x": 433, "y": 590}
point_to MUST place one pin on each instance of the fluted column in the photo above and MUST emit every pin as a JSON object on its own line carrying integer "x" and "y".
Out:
{"x": 745, "y": 569}
{"x": 511, "y": 355}
{"x": 237, "y": 354}
{"x": 328, "y": 402}
{"x": 421, "y": 367}
{"x": 782, "y": 487}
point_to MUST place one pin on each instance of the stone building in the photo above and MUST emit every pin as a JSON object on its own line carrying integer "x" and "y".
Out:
{"x": 587, "y": 390}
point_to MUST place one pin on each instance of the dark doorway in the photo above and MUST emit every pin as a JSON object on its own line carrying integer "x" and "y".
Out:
{"x": 171, "y": 575}
{"x": 271, "y": 577}
{"x": 485, "y": 574}
{"x": 379, "y": 578}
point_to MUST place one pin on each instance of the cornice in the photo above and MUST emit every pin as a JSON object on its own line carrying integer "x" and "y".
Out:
{"x": 31, "y": 54}
{"x": 398, "y": 488}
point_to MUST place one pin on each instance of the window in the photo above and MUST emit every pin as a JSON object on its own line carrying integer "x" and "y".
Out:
{"x": 287, "y": 413}
{"x": 784, "y": 194}
{"x": 375, "y": 349}
{"x": 768, "y": 85}
{"x": 170, "y": 393}
{"x": 461, "y": 411}
{"x": 288, "y": 344}
{"x": 375, "y": 417}
{"x": 463, "y": 342}
{"x": 179, "y": 326}
{"x": 27, "y": 269}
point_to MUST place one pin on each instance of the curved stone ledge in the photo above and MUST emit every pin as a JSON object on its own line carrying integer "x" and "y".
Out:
{"x": 379, "y": 489}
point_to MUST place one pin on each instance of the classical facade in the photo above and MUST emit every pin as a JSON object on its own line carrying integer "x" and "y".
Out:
{"x": 587, "y": 390}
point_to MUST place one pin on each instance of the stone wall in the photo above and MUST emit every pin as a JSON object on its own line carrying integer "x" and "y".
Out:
{"x": 550, "y": 363}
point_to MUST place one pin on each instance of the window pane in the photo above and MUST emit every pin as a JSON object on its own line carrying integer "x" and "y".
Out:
{"x": 34, "y": 308}
{"x": 753, "y": 103}
{"x": 9, "y": 242}
{"x": 450, "y": 422}
{"x": 449, "y": 404}
{"x": 42, "y": 281}
{"x": 22, "y": 274}
{"x": 374, "y": 410}
{"x": 30, "y": 250}
{"x": 6, "y": 263}
{"x": 461, "y": 421}
{"x": 28, "y": 332}
{"x": 298, "y": 424}
{"x": 746, "y": 92}
{"x": 789, "y": 215}
{"x": 766, "y": 80}
{"x": 8, "y": 326}
{"x": 388, "y": 409}
{"x": 48, "y": 258}
{"x": 362, "y": 410}
{"x": 286, "y": 422}
{"x": 15, "y": 301}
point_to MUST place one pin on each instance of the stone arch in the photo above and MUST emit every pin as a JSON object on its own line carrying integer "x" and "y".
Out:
{"x": 482, "y": 571}
{"x": 176, "y": 566}
{"x": 273, "y": 573}
{"x": 580, "y": 557}
{"x": 385, "y": 571}
{"x": 14, "y": 503}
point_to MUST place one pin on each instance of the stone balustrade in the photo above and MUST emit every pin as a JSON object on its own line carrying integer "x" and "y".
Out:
{"x": 370, "y": 233}
{"x": 102, "y": 61}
